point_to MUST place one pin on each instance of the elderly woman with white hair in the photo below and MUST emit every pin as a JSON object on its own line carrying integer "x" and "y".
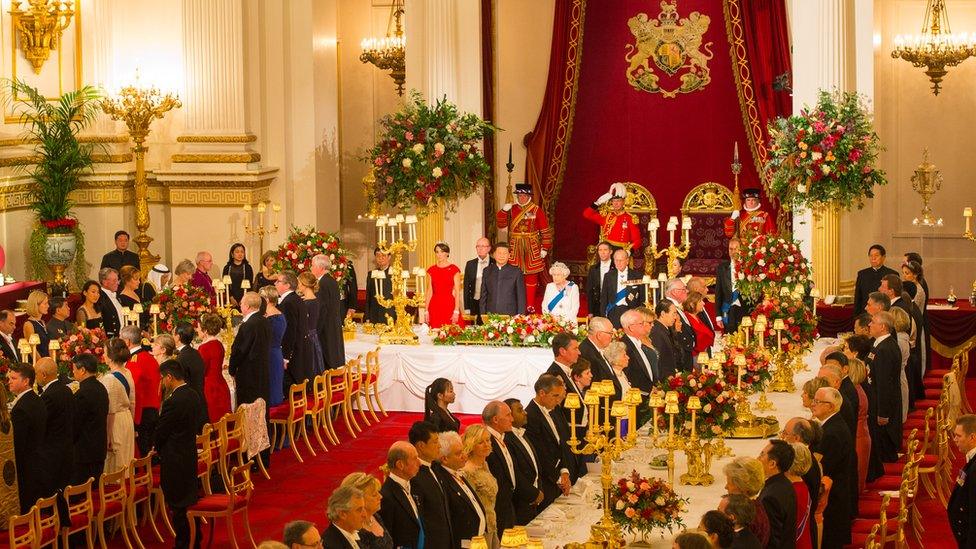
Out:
{"x": 562, "y": 295}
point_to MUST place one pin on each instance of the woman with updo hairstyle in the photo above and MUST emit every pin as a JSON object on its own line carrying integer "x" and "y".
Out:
{"x": 266, "y": 275}
{"x": 857, "y": 371}
{"x": 746, "y": 476}
{"x": 183, "y": 273}
{"x": 215, "y": 389}
{"x": 437, "y": 397}
{"x": 444, "y": 298}
{"x": 807, "y": 394}
{"x": 373, "y": 534}
{"x": 119, "y": 384}
{"x": 561, "y": 299}
{"x": 307, "y": 286}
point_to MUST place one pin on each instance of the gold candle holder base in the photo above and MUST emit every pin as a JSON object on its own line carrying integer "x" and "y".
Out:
{"x": 699, "y": 460}
{"x": 749, "y": 425}
{"x": 720, "y": 449}
{"x": 783, "y": 376}
{"x": 763, "y": 404}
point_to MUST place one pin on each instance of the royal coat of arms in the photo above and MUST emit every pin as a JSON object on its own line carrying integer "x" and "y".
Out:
{"x": 675, "y": 45}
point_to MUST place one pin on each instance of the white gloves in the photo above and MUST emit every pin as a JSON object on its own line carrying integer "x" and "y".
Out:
{"x": 618, "y": 189}
{"x": 604, "y": 198}
{"x": 735, "y": 215}
{"x": 506, "y": 207}
{"x": 543, "y": 253}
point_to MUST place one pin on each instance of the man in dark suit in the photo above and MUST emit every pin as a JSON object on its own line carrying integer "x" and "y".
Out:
{"x": 552, "y": 453}
{"x": 108, "y": 303}
{"x": 742, "y": 511}
{"x": 838, "y": 362}
{"x": 401, "y": 513}
{"x": 884, "y": 361}
{"x": 121, "y": 255}
{"x": 835, "y": 459}
{"x": 8, "y": 323}
{"x": 29, "y": 419}
{"x": 249, "y": 352}
{"x": 190, "y": 359}
{"x": 175, "y": 440}
{"x": 565, "y": 353}
{"x": 617, "y": 296}
{"x": 330, "y": 318}
{"x": 503, "y": 285}
{"x": 728, "y": 304}
{"x": 375, "y": 312}
{"x": 90, "y": 416}
{"x": 468, "y": 518}
{"x": 663, "y": 339}
{"x": 642, "y": 367}
{"x": 528, "y": 496}
{"x": 869, "y": 278}
{"x": 497, "y": 418}
{"x": 962, "y": 502}
{"x": 56, "y": 450}
{"x": 599, "y": 334}
{"x": 474, "y": 271}
{"x": 433, "y": 501}
{"x": 682, "y": 333}
{"x": 300, "y": 534}
{"x": 347, "y": 516}
{"x": 297, "y": 367}
{"x": 594, "y": 278}
{"x": 892, "y": 287}
{"x": 349, "y": 294}
{"x": 777, "y": 496}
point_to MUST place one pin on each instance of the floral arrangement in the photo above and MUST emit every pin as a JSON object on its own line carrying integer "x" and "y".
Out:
{"x": 428, "y": 153}
{"x": 85, "y": 340}
{"x": 5, "y": 364}
{"x": 801, "y": 325}
{"x": 825, "y": 156}
{"x": 515, "y": 331}
{"x": 767, "y": 264}
{"x": 756, "y": 372}
{"x": 640, "y": 505}
{"x": 718, "y": 406}
{"x": 304, "y": 243}
{"x": 178, "y": 304}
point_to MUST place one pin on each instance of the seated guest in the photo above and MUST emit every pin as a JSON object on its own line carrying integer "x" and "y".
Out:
{"x": 662, "y": 337}
{"x": 201, "y": 275}
{"x": 89, "y": 316}
{"x": 616, "y": 355}
{"x": 239, "y": 270}
{"x": 120, "y": 256}
{"x": 617, "y": 296}
{"x": 885, "y": 367}
{"x": 961, "y": 509}
{"x": 130, "y": 282}
{"x": 90, "y": 420}
{"x": 444, "y": 298}
{"x": 157, "y": 280}
{"x": 804, "y": 502}
{"x": 503, "y": 285}
{"x": 718, "y": 528}
{"x": 437, "y": 397}
{"x": 467, "y": 514}
{"x": 834, "y": 455}
{"x": 266, "y": 275}
{"x": 594, "y": 278}
{"x": 300, "y": 534}
{"x": 59, "y": 326}
{"x": 809, "y": 391}
{"x": 375, "y": 312}
{"x": 778, "y": 496}
{"x": 477, "y": 447}
{"x": 552, "y": 454}
{"x": 745, "y": 476}
{"x": 8, "y": 323}
{"x": 690, "y": 539}
{"x": 183, "y": 273}
{"x": 108, "y": 304}
{"x": 145, "y": 376}
{"x": 474, "y": 271}
{"x": 400, "y": 513}
{"x": 373, "y": 535}
{"x": 347, "y": 514}
{"x": 599, "y": 334}
{"x": 527, "y": 492}
{"x": 29, "y": 419}
{"x": 216, "y": 393}
{"x": 57, "y": 451}
{"x": 741, "y": 510}
{"x": 497, "y": 418}
{"x": 121, "y": 396}
{"x": 562, "y": 295}
{"x": 643, "y": 369}
{"x": 694, "y": 306}
{"x": 433, "y": 509}
{"x": 37, "y": 306}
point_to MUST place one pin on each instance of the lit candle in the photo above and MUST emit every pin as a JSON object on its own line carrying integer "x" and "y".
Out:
{"x": 694, "y": 404}
{"x": 779, "y": 326}
{"x": 262, "y": 207}
{"x": 656, "y": 402}
{"x": 380, "y": 223}
{"x": 740, "y": 364}
{"x": 572, "y": 403}
{"x": 735, "y": 153}
{"x": 245, "y": 284}
{"x": 967, "y": 213}
{"x": 686, "y": 228}
{"x": 154, "y": 311}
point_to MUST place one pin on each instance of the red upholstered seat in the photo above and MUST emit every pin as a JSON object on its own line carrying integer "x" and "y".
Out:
{"x": 885, "y": 483}
{"x": 48, "y": 534}
{"x": 80, "y": 520}
{"x": 141, "y": 493}
{"x": 868, "y": 508}
{"x": 372, "y": 378}
{"x": 932, "y": 383}
{"x": 281, "y": 412}
{"x": 337, "y": 396}
{"x": 928, "y": 460}
{"x": 113, "y": 508}
{"x": 217, "y": 502}
{"x": 233, "y": 444}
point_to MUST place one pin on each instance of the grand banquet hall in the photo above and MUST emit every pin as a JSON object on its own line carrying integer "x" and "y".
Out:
{"x": 499, "y": 273}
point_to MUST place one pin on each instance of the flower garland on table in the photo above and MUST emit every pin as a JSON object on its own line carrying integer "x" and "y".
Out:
{"x": 717, "y": 414}
{"x": 84, "y": 341}
{"x": 827, "y": 155}
{"x": 756, "y": 371}
{"x": 801, "y": 325}
{"x": 304, "y": 243}
{"x": 640, "y": 505}
{"x": 767, "y": 264}
{"x": 178, "y": 304}
{"x": 516, "y": 331}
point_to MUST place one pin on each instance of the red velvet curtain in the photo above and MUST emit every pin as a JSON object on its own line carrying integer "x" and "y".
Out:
{"x": 488, "y": 107}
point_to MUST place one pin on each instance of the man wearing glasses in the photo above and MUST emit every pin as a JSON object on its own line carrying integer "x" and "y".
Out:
{"x": 834, "y": 455}
{"x": 302, "y": 534}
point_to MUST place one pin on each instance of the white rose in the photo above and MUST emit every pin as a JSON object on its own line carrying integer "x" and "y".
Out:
{"x": 418, "y": 148}
{"x": 741, "y": 276}
{"x": 761, "y": 262}
{"x": 620, "y": 505}
{"x": 436, "y": 172}
{"x": 762, "y": 276}
{"x": 763, "y": 249}
{"x": 630, "y": 485}
{"x": 789, "y": 279}
{"x": 530, "y": 339}
{"x": 707, "y": 409}
{"x": 801, "y": 188}
{"x": 439, "y": 148}
{"x": 407, "y": 163}
{"x": 816, "y": 156}
{"x": 331, "y": 257}
{"x": 510, "y": 330}
{"x": 301, "y": 266}
{"x": 789, "y": 258}
{"x": 826, "y": 170}
{"x": 294, "y": 255}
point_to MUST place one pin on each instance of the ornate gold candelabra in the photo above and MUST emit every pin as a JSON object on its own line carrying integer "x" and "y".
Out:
{"x": 672, "y": 252}
{"x": 400, "y": 330}
{"x": 783, "y": 375}
{"x": 699, "y": 455}
{"x": 138, "y": 107}
{"x": 261, "y": 229}
{"x": 225, "y": 308}
{"x": 389, "y": 52}
{"x": 40, "y": 27}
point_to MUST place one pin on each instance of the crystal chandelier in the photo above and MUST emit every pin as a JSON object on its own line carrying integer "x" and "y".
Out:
{"x": 387, "y": 53}
{"x": 936, "y": 48}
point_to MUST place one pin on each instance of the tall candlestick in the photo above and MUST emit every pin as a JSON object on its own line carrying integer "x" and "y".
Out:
{"x": 735, "y": 153}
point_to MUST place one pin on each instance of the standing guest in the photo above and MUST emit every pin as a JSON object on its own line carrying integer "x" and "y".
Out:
{"x": 802, "y": 462}
{"x": 693, "y": 307}
{"x": 848, "y": 409}
{"x": 435, "y": 516}
{"x": 474, "y": 271}
{"x": 401, "y": 513}
{"x": 437, "y": 397}
{"x": 37, "y": 307}
{"x": 307, "y": 286}
{"x": 808, "y": 433}
{"x": 145, "y": 376}
{"x": 29, "y": 419}
{"x": 250, "y": 352}
{"x": 56, "y": 452}
{"x": 616, "y": 355}
{"x": 108, "y": 304}
{"x": 809, "y": 391}
{"x": 201, "y": 276}
{"x": 497, "y": 418}
{"x": 741, "y": 511}
{"x": 580, "y": 377}
{"x": 216, "y": 393}
{"x": 444, "y": 299}
{"x": 158, "y": 278}
{"x": 662, "y": 338}
{"x": 550, "y": 448}
{"x": 528, "y": 496}
{"x": 834, "y": 455}
{"x": 89, "y": 316}
{"x": 617, "y": 296}
{"x": 467, "y": 515}
{"x": 175, "y": 441}
{"x": 477, "y": 448}
{"x": 90, "y": 420}
{"x": 349, "y": 294}
{"x": 962, "y": 502}
{"x": 347, "y": 514}
{"x": 778, "y": 496}
{"x": 594, "y": 277}
{"x": 330, "y": 320}
{"x": 599, "y": 334}
{"x": 189, "y": 357}
{"x": 276, "y": 361}
{"x": 683, "y": 334}
{"x": 297, "y": 367}
{"x": 561, "y": 299}
{"x": 375, "y": 312}
{"x": 718, "y": 528}
{"x": 299, "y": 534}
{"x": 120, "y": 256}
{"x": 858, "y": 374}
{"x": 503, "y": 285}
{"x": 869, "y": 278}
{"x": 728, "y": 303}
{"x": 8, "y": 323}
{"x": 902, "y": 325}
{"x": 239, "y": 270}
{"x": 618, "y": 227}
{"x": 892, "y": 287}
{"x": 373, "y": 534}
{"x": 912, "y": 271}
{"x": 59, "y": 326}
{"x": 130, "y": 282}
{"x": 642, "y": 371}
{"x": 565, "y": 350}
{"x": 266, "y": 275}
{"x": 745, "y": 476}
{"x": 183, "y": 273}
{"x": 531, "y": 237}
{"x": 119, "y": 385}
{"x": 884, "y": 365}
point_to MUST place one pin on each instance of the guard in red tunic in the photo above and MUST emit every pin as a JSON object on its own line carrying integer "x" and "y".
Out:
{"x": 752, "y": 221}
{"x": 619, "y": 228}
{"x": 529, "y": 235}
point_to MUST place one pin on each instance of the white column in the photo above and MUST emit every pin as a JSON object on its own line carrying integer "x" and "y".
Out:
{"x": 213, "y": 53}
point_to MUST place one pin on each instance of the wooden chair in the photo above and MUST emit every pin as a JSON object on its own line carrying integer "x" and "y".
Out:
{"x": 373, "y": 371}
{"x": 862, "y": 528}
{"x": 48, "y": 522}
{"x": 111, "y": 503}
{"x": 22, "y": 530}
{"x": 290, "y": 418}
{"x": 233, "y": 443}
{"x": 208, "y": 454}
{"x": 318, "y": 402}
{"x": 337, "y": 382}
{"x": 236, "y": 500}
{"x": 80, "y": 512}
{"x": 141, "y": 491}
{"x": 357, "y": 373}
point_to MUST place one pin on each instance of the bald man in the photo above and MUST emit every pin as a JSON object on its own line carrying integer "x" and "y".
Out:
{"x": 56, "y": 449}
{"x": 473, "y": 271}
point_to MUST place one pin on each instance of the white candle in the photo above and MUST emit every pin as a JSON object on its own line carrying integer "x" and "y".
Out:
{"x": 379, "y": 229}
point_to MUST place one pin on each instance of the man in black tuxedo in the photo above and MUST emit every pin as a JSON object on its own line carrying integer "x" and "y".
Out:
{"x": 330, "y": 318}
{"x": 892, "y": 287}
{"x": 616, "y": 296}
{"x": 599, "y": 334}
{"x": 108, "y": 303}
{"x": 552, "y": 453}
{"x": 401, "y": 513}
{"x": 474, "y": 272}
{"x": 869, "y": 278}
{"x": 375, "y": 312}
{"x": 836, "y": 364}
{"x": 884, "y": 361}
{"x": 175, "y": 440}
{"x": 56, "y": 450}
{"x": 683, "y": 334}
{"x": 497, "y": 418}
{"x": 777, "y": 496}
{"x": 347, "y": 516}
{"x": 301, "y": 534}
{"x": 835, "y": 459}
{"x": 594, "y": 278}
{"x": 29, "y": 419}
{"x": 297, "y": 367}
{"x": 433, "y": 501}
{"x": 468, "y": 518}
{"x": 90, "y": 416}
{"x": 742, "y": 511}
{"x": 121, "y": 255}
{"x": 503, "y": 285}
{"x": 663, "y": 339}
{"x": 962, "y": 502}
{"x": 728, "y": 304}
{"x": 642, "y": 367}
{"x": 190, "y": 359}
{"x": 348, "y": 294}
{"x": 8, "y": 323}
{"x": 248, "y": 362}
{"x": 565, "y": 353}
{"x": 528, "y": 496}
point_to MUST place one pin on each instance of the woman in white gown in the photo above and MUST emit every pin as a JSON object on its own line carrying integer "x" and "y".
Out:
{"x": 121, "y": 401}
{"x": 562, "y": 295}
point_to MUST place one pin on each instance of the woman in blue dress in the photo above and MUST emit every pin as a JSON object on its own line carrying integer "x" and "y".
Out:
{"x": 307, "y": 286}
{"x": 37, "y": 307}
{"x": 276, "y": 361}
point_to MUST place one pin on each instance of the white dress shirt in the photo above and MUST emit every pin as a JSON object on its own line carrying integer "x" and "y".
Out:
{"x": 482, "y": 522}
{"x": 283, "y": 296}
{"x": 351, "y": 537}
{"x": 681, "y": 311}
{"x": 552, "y": 427}
{"x": 505, "y": 454}
{"x": 569, "y": 375}
{"x": 482, "y": 263}
{"x": 115, "y": 302}
{"x": 604, "y": 269}
{"x": 519, "y": 433}
{"x": 640, "y": 352}
{"x": 405, "y": 484}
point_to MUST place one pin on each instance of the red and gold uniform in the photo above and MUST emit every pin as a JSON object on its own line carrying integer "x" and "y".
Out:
{"x": 530, "y": 239}
{"x": 621, "y": 230}
{"x": 752, "y": 220}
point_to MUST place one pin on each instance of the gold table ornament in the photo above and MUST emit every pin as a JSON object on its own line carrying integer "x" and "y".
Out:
{"x": 673, "y": 252}
{"x": 399, "y": 331}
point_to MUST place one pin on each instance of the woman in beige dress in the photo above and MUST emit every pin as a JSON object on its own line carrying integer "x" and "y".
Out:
{"x": 477, "y": 446}
{"x": 121, "y": 401}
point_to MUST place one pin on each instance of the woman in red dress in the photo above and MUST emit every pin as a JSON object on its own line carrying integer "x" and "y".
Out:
{"x": 802, "y": 462}
{"x": 704, "y": 336}
{"x": 857, "y": 371}
{"x": 444, "y": 298}
{"x": 215, "y": 389}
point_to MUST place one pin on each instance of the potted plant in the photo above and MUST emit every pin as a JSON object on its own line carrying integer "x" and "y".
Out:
{"x": 59, "y": 159}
